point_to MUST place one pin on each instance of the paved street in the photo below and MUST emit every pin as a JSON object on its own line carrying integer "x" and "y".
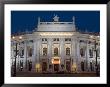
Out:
{"x": 34, "y": 74}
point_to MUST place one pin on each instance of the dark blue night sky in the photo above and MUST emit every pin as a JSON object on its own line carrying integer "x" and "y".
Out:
{"x": 22, "y": 21}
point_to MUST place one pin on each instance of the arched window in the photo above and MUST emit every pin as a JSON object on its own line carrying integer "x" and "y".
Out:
{"x": 90, "y": 53}
{"x": 56, "y": 51}
{"x": 21, "y": 52}
{"x": 45, "y": 51}
{"x": 67, "y": 51}
{"x": 82, "y": 53}
{"x": 30, "y": 50}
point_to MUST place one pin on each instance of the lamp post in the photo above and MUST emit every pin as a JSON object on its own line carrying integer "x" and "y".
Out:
{"x": 95, "y": 44}
{"x": 95, "y": 49}
{"x": 14, "y": 73}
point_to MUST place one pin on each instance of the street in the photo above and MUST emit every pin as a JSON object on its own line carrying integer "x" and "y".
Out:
{"x": 34, "y": 74}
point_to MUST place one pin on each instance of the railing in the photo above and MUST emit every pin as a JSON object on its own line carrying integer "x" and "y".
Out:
{"x": 56, "y": 22}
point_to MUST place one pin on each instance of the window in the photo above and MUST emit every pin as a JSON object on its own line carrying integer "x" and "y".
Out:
{"x": 44, "y": 39}
{"x": 22, "y": 42}
{"x": 81, "y": 40}
{"x": 56, "y": 39}
{"x": 82, "y": 66}
{"x": 98, "y": 52}
{"x": 90, "y": 53}
{"x": 29, "y": 51}
{"x": 91, "y": 66}
{"x": 22, "y": 53}
{"x": 82, "y": 53}
{"x": 55, "y": 51}
{"x": 67, "y": 51}
{"x": 67, "y": 39}
{"x": 44, "y": 51}
{"x": 31, "y": 41}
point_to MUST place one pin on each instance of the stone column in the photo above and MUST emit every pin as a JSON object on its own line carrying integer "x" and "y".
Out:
{"x": 34, "y": 55}
{"x": 72, "y": 52}
{"x": 62, "y": 52}
{"x": 49, "y": 48}
{"x": 38, "y": 51}
{"x": 77, "y": 45}
{"x": 87, "y": 55}
{"x": 25, "y": 55}
{"x": 49, "y": 54}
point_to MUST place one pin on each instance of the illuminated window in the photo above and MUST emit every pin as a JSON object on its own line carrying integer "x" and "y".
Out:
{"x": 44, "y": 51}
{"x": 67, "y": 51}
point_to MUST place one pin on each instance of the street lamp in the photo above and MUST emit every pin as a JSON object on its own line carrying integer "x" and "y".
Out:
{"x": 14, "y": 74}
{"x": 95, "y": 49}
{"x": 96, "y": 58}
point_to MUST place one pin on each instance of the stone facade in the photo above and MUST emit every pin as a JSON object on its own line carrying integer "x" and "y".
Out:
{"x": 56, "y": 47}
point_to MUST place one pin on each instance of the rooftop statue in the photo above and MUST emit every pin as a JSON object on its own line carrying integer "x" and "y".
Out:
{"x": 56, "y": 18}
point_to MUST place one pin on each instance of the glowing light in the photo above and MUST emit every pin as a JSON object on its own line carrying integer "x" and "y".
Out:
{"x": 37, "y": 66}
{"x": 55, "y": 60}
{"x": 13, "y": 37}
{"x": 98, "y": 36}
{"x": 74, "y": 67}
{"x": 20, "y": 37}
{"x": 91, "y": 36}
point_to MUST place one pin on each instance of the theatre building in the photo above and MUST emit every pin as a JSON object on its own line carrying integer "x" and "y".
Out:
{"x": 55, "y": 47}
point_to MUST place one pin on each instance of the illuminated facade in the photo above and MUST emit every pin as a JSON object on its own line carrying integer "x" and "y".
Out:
{"x": 56, "y": 47}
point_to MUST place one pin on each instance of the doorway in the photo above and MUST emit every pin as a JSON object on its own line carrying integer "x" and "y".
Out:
{"x": 44, "y": 66}
{"x": 56, "y": 67}
{"x": 68, "y": 66}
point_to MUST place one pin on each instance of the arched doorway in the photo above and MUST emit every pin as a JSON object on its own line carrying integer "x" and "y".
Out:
{"x": 44, "y": 65}
{"x": 68, "y": 65}
{"x": 56, "y": 62}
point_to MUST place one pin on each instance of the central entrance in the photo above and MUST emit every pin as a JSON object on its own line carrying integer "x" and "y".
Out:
{"x": 56, "y": 63}
{"x": 56, "y": 67}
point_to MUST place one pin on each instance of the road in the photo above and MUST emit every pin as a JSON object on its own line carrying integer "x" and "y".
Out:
{"x": 34, "y": 74}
